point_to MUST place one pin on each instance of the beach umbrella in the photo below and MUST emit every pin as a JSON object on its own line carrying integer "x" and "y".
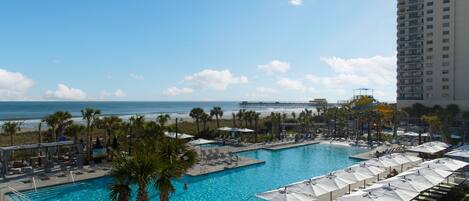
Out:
{"x": 383, "y": 162}
{"x": 332, "y": 183}
{"x": 446, "y": 164}
{"x": 430, "y": 147}
{"x": 245, "y": 130}
{"x": 309, "y": 187}
{"x": 381, "y": 192}
{"x": 353, "y": 175}
{"x": 225, "y": 129}
{"x": 432, "y": 173}
{"x": 178, "y": 135}
{"x": 402, "y": 159}
{"x": 366, "y": 168}
{"x": 460, "y": 152}
{"x": 285, "y": 194}
{"x": 201, "y": 141}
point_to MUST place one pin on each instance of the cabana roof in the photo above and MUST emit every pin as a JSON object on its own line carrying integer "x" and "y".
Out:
{"x": 36, "y": 146}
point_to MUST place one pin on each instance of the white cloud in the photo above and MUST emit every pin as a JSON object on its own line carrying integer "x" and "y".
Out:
{"x": 119, "y": 93}
{"x": 174, "y": 91}
{"x": 275, "y": 66}
{"x": 265, "y": 90}
{"x": 295, "y": 2}
{"x": 136, "y": 76}
{"x": 13, "y": 85}
{"x": 64, "y": 92}
{"x": 378, "y": 70}
{"x": 338, "y": 81}
{"x": 290, "y": 84}
{"x": 218, "y": 80}
{"x": 103, "y": 94}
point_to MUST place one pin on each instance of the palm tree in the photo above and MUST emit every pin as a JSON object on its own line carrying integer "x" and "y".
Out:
{"x": 73, "y": 130}
{"x": 240, "y": 116}
{"x": 174, "y": 158}
{"x": 90, "y": 116}
{"x": 218, "y": 113}
{"x": 256, "y": 122}
{"x": 197, "y": 113}
{"x": 163, "y": 119}
{"x": 434, "y": 122}
{"x": 233, "y": 115}
{"x": 10, "y": 128}
{"x": 109, "y": 124}
{"x": 205, "y": 119}
{"x": 293, "y": 115}
{"x": 58, "y": 122}
{"x": 465, "y": 117}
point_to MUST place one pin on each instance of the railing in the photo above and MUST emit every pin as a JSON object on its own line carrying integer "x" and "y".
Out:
{"x": 33, "y": 182}
{"x": 71, "y": 177}
{"x": 20, "y": 195}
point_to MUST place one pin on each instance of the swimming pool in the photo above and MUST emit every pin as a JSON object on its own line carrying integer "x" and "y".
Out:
{"x": 281, "y": 168}
{"x": 211, "y": 145}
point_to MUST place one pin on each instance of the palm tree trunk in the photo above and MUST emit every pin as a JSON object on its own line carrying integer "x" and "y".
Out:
{"x": 142, "y": 194}
{"x": 11, "y": 139}
{"x": 164, "y": 196}
{"x": 198, "y": 126}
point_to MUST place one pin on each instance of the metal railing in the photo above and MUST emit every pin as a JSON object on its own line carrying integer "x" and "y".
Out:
{"x": 71, "y": 177}
{"x": 33, "y": 182}
{"x": 20, "y": 195}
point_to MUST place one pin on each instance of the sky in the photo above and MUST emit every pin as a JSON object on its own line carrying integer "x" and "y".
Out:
{"x": 199, "y": 50}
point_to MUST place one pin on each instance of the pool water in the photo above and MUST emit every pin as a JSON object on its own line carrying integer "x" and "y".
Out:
{"x": 211, "y": 145}
{"x": 281, "y": 168}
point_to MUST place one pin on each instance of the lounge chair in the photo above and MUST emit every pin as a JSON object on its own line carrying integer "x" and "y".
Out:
{"x": 43, "y": 177}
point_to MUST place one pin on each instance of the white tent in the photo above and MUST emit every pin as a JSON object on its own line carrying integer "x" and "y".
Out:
{"x": 178, "y": 135}
{"x": 446, "y": 164}
{"x": 414, "y": 134}
{"x": 285, "y": 194}
{"x": 366, "y": 168}
{"x": 201, "y": 141}
{"x": 354, "y": 175}
{"x": 461, "y": 152}
{"x": 430, "y": 147}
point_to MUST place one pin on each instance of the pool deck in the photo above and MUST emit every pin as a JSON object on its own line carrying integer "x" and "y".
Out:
{"x": 202, "y": 169}
{"x": 292, "y": 145}
{"x": 17, "y": 182}
{"x": 370, "y": 153}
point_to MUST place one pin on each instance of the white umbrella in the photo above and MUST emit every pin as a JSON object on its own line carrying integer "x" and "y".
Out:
{"x": 332, "y": 183}
{"x": 201, "y": 141}
{"x": 446, "y": 164}
{"x": 285, "y": 194}
{"x": 431, "y": 172}
{"x": 309, "y": 187}
{"x": 402, "y": 159}
{"x": 178, "y": 135}
{"x": 383, "y": 162}
{"x": 460, "y": 152}
{"x": 430, "y": 147}
{"x": 354, "y": 175}
{"x": 225, "y": 129}
{"x": 420, "y": 181}
{"x": 245, "y": 130}
{"x": 381, "y": 192}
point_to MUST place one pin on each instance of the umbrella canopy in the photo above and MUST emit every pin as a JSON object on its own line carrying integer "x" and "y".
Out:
{"x": 285, "y": 194}
{"x": 332, "y": 182}
{"x": 178, "y": 135}
{"x": 381, "y": 192}
{"x": 245, "y": 130}
{"x": 446, "y": 164}
{"x": 414, "y": 134}
{"x": 430, "y": 147}
{"x": 409, "y": 158}
{"x": 462, "y": 152}
{"x": 353, "y": 175}
{"x": 431, "y": 172}
{"x": 366, "y": 168}
{"x": 201, "y": 141}
{"x": 225, "y": 129}
{"x": 382, "y": 162}
{"x": 309, "y": 187}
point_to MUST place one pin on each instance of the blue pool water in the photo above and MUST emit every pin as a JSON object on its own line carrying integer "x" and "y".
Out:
{"x": 281, "y": 168}
{"x": 211, "y": 145}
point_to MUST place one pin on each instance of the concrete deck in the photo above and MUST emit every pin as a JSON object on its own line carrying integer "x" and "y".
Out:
{"x": 288, "y": 146}
{"x": 371, "y": 153}
{"x": 202, "y": 169}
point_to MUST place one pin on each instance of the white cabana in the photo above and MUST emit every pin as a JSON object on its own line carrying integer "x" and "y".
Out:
{"x": 430, "y": 147}
{"x": 414, "y": 134}
{"x": 446, "y": 164}
{"x": 285, "y": 194}
{"x": 461, "y": 152}
{"x": 178, "y": 135}
{"x": 201, "y": 141}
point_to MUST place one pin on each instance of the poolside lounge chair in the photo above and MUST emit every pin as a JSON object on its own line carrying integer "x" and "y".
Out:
{"x": 43, "y": 177}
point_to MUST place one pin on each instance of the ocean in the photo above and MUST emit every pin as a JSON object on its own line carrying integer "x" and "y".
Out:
{"x": 32, "y": 111}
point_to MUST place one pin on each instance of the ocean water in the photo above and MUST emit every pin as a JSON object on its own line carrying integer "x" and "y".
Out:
{"x": 280, "y": 168}
{"x": 32, "y": 112}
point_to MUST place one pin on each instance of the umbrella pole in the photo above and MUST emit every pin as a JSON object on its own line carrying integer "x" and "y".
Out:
{"x": 402, "y": 167}
{"x": 364, "y": 184}
{"x": 331, "y": 195}
{"x": 349, "y": 189}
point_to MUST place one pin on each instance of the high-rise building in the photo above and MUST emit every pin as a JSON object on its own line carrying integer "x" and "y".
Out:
{"x": 433, "y": 52}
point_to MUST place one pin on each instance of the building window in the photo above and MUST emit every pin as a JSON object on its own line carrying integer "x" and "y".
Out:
{"x": 429, "y": 87}
{"x": 445, "y": 17}
{"x": 445, "y": 79}
{"x": 445, "y": 32}
{"x": 429, "y": 65}
{"x": 429, "y": 80}
{"x": 430, "y": 3}
{"x": 445, "y": 87}
{"x": 429, "y": 57}
{"x": 429, "y": 72}
{"x": 446, "y": 24}
{"x": 445, "y": 64}
{"x": 446, "y": 48}
{"x": 445, "y": 56}
{"x": 429, "y": 50}
{"x": 445, "y": 95}
{"x": 429, "y": 42}
{"x": 446, "y": 9}
{"x": 430, "y": 26}
{"x": 429, "y": 19}
{"x": 445, "y": 1}
{"x": 444, "y": 72}
{"x": 429, "y": 11}
{"x": 445, "y": 40}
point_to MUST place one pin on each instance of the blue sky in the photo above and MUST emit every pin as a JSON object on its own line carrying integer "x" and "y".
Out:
{"x": 196, "y": 50}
